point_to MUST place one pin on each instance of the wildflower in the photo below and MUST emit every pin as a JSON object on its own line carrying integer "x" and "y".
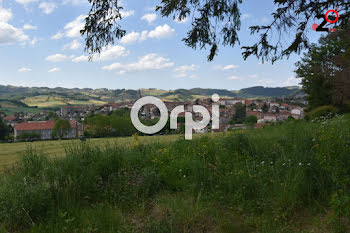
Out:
{"x": 262, "y": 162}
{"x": 184, "y": 176}
{"x": 300, "y": 164}
{"x": 271, "y": 162}
{"x": 309, "y": 164}
{"x": 284, "y": 164}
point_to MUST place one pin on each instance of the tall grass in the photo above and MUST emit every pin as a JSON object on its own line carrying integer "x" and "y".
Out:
{"x": 263, "y": 180}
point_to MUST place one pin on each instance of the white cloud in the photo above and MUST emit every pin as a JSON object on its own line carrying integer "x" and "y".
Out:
{"x": 53, "y": 70}
{"x": 126, "y": 14}
{"x": 47, "y": 7}
{"x": 107, "y": 54}
{"x": 144, "y": 35}
{"x": 56, "y": 58}
{"x": 57, "y": 36}
{"x": 133, "y": 37}
{"x": 75, "y": 2}
{"x": 225, "y": 68}
{"x": 292, "y": 81}
{"x": 130, "y": 38}
{"x": 75, "y": 44}
{"x": 5, "y": 15}
{"x": 245, "y": 16}
{"x": 148, "y": 62}
{"x": 186, "y": 68}
{"x": 80, "y": 59}
{"x": 254, "y": 76}
{"x": 161, "y": 32}
{"x": 73, "y": 28}
{"x": 112, "y": 52}
{"x": 24, "y": 69}
{"x": 264, "y": 82}
{"x": 233, "y": 77}
{"x": 9, "y": 34}
{"x": 33, "y": 41}
{"x": 149, "y": 17}
{"x": 29, "y": 27}
{"x": 25, "y": 2}
{"x": 182, "y": 71}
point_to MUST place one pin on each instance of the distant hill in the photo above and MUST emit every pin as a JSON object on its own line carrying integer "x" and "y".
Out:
{"x": 53, "y": 98}
{"x": 271, "y": 91}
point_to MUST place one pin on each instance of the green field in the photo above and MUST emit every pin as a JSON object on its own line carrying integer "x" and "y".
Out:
{"x": 10, "y": 152}
{"x": 53, "y": 101}
{"x": 291, "y": 177}
{"x": 10, "y": 108}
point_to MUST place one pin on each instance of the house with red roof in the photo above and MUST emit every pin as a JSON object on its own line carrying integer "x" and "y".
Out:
{"x": 10, "y": 120}
{"x": 45, "y": 128}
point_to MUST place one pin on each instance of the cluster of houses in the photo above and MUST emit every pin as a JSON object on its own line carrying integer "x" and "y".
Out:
{"x": 265, "y": 111}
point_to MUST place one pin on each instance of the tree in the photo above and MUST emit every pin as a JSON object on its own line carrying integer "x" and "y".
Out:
{"x": 240, "y": 113}
{"x": 51, "y": 116}
{"x": 325, "y": 70}
{"x": 265, "y": 108}
{"x": 61, "y": 128}
{"x": 251, "y": 120}
{"x": 4, "y": 130}
{"x": 217, "y": 22}
{"x": 253, "y": 106}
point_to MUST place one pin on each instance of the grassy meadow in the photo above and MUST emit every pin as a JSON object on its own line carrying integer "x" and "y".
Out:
{"x": 10, "y": 152}
{"x": 290, "y": 177}
{"x": 54, "y": 101}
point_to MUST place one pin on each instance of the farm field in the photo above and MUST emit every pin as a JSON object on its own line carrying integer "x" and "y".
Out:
{"x": 10, "y": 107}
{"x": 51, "y": 101}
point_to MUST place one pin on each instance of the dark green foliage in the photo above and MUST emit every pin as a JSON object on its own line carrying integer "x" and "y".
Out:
{"x": 325, "y": 70}
{"x": 52, "y": 116}
{"x": 217, "y": 22}
{"x": 4, "y": 129}
{"x": 251, "y": 120}
{"x": 61, "y": 128}
{"x": 322, "y": 112}
{"x": 100, "y": 19}
{"x": 116, "y": 125}
{"x": 253, "y": 106}
{"x": 240, "y": 113}
{"x": 265, "y": 108}
{"x": 29, "y": 135}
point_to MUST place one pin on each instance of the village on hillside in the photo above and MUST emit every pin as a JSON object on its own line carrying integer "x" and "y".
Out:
{"x": 234, "y": 114}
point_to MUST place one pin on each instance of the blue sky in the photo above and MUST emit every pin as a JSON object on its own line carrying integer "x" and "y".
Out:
{"x": 40, "y": 46}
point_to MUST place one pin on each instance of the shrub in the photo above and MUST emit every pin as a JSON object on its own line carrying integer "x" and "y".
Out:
{"x": 268, "y": 175}
{"x": 322, "y": 112}
{"x": 29, "y": 135}
{"x": 251, "y": 120}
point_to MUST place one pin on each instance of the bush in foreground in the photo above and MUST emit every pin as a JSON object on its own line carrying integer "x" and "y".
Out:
{"x": 273, "y": 178}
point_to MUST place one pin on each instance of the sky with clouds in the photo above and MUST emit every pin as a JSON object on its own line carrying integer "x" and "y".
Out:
{"x": 40, "y": 45}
